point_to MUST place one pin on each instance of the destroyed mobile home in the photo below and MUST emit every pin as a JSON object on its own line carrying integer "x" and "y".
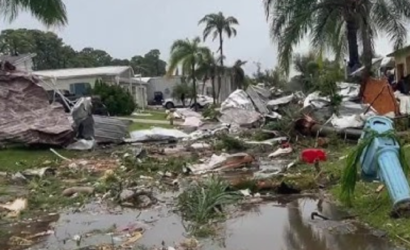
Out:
{"x": 223, "y": 147}
{"x": 28, "y": 118}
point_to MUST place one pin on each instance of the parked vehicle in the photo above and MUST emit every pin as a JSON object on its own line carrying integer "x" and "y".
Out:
{"x": 202, "y": 101}
{"x": 158, "y": 97}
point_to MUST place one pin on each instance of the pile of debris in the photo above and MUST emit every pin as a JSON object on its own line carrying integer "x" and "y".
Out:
{"x": 28, "y": 118}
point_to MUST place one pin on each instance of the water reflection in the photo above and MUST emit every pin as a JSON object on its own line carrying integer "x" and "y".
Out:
{"x": 290, "y": 228}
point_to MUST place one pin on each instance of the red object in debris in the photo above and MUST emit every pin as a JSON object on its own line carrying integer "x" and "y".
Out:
{"x": 311, "y": 155}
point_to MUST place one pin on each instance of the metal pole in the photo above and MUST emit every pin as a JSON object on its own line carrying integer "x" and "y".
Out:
{"x": 141, "y": 89}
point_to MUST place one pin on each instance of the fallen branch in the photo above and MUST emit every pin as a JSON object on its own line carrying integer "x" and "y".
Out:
{"x": 60, "y": 156}
{"x": 402, "y": 239}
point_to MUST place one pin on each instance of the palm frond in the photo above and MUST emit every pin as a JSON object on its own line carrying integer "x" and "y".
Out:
{"x": 390, "y": 20}
{"x": 49, "y": 12}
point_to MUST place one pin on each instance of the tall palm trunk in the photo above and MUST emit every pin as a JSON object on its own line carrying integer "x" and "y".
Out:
{"x": 206, "y": 78}
{"x": 352, "y": 29}
{"x": 367, "y": 49}
{"x": 194, "y": 84}
{"x": 220, "y": 72}
{"x": 213, "y": 89}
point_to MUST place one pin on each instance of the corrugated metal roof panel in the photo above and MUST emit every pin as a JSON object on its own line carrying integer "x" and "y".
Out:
{"x": 83, "y": 72}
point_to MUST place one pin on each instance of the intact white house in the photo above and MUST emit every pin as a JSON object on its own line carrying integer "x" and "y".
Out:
{"x": 78, "y": 80}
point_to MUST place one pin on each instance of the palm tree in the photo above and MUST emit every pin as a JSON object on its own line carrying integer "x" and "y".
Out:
{"x": 336, "y": 25}
{"x": 238, "y": 74}
{"x": 49, "y": 12}
{"x": 216, "y": 24}
{"x": 207, "y": 70}
{"x": 189, "y": 54}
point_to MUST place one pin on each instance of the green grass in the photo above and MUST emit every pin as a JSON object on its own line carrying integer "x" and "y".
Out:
{"x": 154, "y": 115}
{"x": 17, "y": 159}
{"x": 140, "y": 126}
{"x": 202, "y": 202}
{"x": 371, "y": 207}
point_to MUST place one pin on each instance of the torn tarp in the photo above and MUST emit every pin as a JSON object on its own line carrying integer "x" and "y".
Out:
{"x": 27, "y": 117}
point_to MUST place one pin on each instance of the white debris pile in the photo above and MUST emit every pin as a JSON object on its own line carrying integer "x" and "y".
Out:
{"x": 156, "y": 134}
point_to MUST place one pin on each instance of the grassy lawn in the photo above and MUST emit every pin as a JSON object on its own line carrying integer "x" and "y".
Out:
{"x": 140, "y": 126}
{"x": 20, "y": 158}
{"x": 371, "y": 207}
{"x": 16, "y": 159}
{"x": 154, "y": 115}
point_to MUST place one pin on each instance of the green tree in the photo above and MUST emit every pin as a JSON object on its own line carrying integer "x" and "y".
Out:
{"x": 50, "y": 50}
{"x": 312, "y": 71}
{"x": 48, "y": 47}
{"x": 336, "y": 25}
{"x": 207, "y": 70}
{"x": 150, "y": 64}
{"x": 189, "y": 54}
{"x": 90, "y": 57}
{"x": 16, "y": 42}
{"x": 49, "y": 12}
{"x": 217, "y": 25}
{"x": 117, "y": 99}
{"x": 272, "y": 78}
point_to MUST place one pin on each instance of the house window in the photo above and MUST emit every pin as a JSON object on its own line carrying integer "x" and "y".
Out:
{"x": 79, "y": 89}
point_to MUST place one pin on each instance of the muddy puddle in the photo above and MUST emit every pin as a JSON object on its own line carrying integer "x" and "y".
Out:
{"x": 274, "y": 225}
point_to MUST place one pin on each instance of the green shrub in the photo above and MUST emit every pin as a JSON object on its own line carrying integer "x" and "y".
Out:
{"x": 118, "y": 100}
{"x": 211, "y": 112}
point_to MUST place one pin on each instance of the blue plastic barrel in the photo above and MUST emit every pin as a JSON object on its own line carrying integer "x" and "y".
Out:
{"x": 380, "y": 161}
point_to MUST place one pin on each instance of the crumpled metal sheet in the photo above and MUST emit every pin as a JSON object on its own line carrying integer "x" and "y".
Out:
{"x": 238, "y": 99}
{"x": 241, "y": 117}
{"x": 258, "y": 99}
{"x": 26, "y": 115}
{"x": 110, "y": 130}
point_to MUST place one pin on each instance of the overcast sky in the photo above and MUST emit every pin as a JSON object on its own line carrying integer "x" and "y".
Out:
{"x": 125, "y": 28}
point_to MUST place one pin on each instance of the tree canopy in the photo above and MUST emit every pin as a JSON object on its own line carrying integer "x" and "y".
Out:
{"x": 52, "y": 53}
{"x": 337, "y": 26}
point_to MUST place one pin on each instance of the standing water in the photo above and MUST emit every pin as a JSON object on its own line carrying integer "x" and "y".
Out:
{"x": 274, "y": 226}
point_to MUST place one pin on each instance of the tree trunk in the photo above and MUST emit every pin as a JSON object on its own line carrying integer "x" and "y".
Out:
{"x": 220, "y": 72}
{"x": 367, "y": 50}
{"x": 203, "y": 84}
{"x": 213, "y": 89}
{"x": 352, "y": 29}
{"x": 194, "y": 85}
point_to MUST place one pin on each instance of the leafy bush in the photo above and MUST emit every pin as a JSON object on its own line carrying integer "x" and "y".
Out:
{"x": 211, "y": 112}
{"x": 201, "y": 202}
{"x": 118, "y": 100}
